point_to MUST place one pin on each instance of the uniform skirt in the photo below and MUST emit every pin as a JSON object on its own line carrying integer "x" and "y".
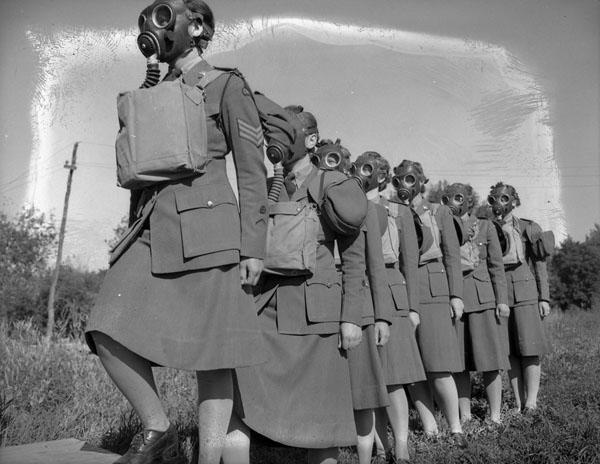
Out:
{"x": 400, "y": 356}
{"x": 196, "y": 320}
{"x": 367, "y": 379}
{"x": 301, "y": 397}
{"x": 525, "y": 328}
{"x": 480, "y": 339}
{"x": 436, "y": 334}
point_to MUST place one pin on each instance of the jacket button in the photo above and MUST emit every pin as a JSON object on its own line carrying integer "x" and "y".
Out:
{"x": 210, "y": 204}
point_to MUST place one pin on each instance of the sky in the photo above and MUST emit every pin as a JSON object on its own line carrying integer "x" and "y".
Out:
{"x": 479, "y": 91}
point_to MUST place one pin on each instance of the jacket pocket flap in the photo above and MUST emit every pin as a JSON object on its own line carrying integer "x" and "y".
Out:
{"x": 328, "y": 280}
{"x": 524, "y": 277}
{"x": 436, "y": 267}
{"x": 286, "y": 208}
{"x": 209, "y": 196}
{"x": 482, "y": 277}
{"x": 323, "y": 298}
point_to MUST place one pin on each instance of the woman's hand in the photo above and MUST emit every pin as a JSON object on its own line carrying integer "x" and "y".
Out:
{"x": 414, "y": 318}
{"x": 382, "y": 333}
{"x": 250, "y": 270}
{"x": 502, "y": 310}
{"x": 350, "y": 336}
{"x": 544, "y": 308}
{"x": 458, "y": 307}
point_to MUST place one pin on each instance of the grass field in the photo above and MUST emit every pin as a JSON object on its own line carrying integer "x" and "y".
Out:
{"x": 63, "y": 392}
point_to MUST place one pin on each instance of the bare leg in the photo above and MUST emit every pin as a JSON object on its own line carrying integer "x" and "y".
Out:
{"x": 237, "y": 443}
{"x": 531, "y": 372}
{"x": 398, "y": 415}
{"x": 463, "y": 386}
{"x": 382, "y": 443}
{"x": 516, "y": 381}
{"x": 215, "y": 400}
{"x": 323, "y": 456}
{"x": 365, "y": 430}
{"x": 132, "y": 374}
{"x": 493, "y": 389}
{"x": 423, "y": 401}
{"x": 445, "y": 389}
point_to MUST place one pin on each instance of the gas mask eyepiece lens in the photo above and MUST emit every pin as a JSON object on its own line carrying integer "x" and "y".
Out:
{"x": 459, "y": 199}
{"x": 491, "y": 200}
{"x": 504, "y": 199}
{"x": 410, "y": 180}
{"x": 162, "y": 16}
{"x": 366, "y": 170}
{"x": 396, "y": 182}
{"x": 332, "y": 160}
{"x": 142, "y": 21}
{"x": 445, "y": 199}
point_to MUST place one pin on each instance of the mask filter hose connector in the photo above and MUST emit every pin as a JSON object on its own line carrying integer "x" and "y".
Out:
{"x": 152, "y": 75}
{"x": 277, "y": 184}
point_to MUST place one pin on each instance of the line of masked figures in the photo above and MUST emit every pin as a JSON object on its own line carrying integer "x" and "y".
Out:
{"x": 316, "y": 304}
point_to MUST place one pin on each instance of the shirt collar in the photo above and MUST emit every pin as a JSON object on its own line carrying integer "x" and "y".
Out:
{"x": 302, "y": 169}
{"x": 373, "y": 195}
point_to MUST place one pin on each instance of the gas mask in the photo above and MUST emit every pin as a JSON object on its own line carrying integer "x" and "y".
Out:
{"x": 286, "y": 146}
{"x": 164, "y": 29}
{"x": 502, "y": 200}
{"x": 331, "y": 156}
{"x": 367, "y": 170}
{"x": 408, "y": 181}
{"x": 457, "y": 198}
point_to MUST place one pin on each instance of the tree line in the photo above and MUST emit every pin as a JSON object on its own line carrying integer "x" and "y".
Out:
{"x": 28, "y": 244}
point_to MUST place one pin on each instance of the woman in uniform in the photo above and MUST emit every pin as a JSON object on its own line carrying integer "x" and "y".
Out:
{"x": 528, "y": 296}
{"x": 178, "y": 291}
{"x": 440, "y": 302}
{"x": 486, "y": 301}
{"x": 400, "y": 356}
{"x": 310, "y": 318}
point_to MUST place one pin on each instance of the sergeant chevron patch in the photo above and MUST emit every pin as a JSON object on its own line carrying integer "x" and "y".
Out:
{"x": 252, "y": 134}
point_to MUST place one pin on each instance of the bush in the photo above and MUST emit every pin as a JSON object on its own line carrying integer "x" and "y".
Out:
{"x": 574, "y": 272}
{"x": 26, "y": 245}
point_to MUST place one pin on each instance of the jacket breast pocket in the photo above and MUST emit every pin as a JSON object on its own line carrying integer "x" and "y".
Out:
{"x": 209, "y": 219}
{"x": 324, "y": 298}
{"x": 485, "y": 291}
{"x": 438, "y": 281}
{"x": 524, "y": 287}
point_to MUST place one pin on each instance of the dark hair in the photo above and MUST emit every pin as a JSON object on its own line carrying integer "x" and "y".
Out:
{"x": 309, "y": 122}
{"x": 509, "y": 187}
{"x": 201, "y": 9}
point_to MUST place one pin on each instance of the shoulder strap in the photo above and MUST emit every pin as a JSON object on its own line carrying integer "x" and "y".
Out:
{"x": 209, "y": 77}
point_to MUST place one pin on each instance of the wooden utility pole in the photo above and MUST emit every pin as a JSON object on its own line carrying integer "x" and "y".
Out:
{"x": 61, "y": 238}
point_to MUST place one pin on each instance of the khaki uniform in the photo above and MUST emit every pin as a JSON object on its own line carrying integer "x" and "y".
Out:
{"x": 173, "y": 294}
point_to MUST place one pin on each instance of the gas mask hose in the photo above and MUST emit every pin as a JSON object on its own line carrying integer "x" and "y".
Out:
{"x": 277, "y": 183}
{"x": 152, "y": 73}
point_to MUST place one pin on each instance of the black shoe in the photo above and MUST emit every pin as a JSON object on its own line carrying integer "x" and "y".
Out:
{"x": 459, "y": 440}
{"x": 152, "y": 447}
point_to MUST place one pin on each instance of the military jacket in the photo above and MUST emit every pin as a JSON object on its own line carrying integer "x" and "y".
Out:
{"x": 317, "y": 304}
{"x": 488, "y": 274}
{"x": 197, "y": 222}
